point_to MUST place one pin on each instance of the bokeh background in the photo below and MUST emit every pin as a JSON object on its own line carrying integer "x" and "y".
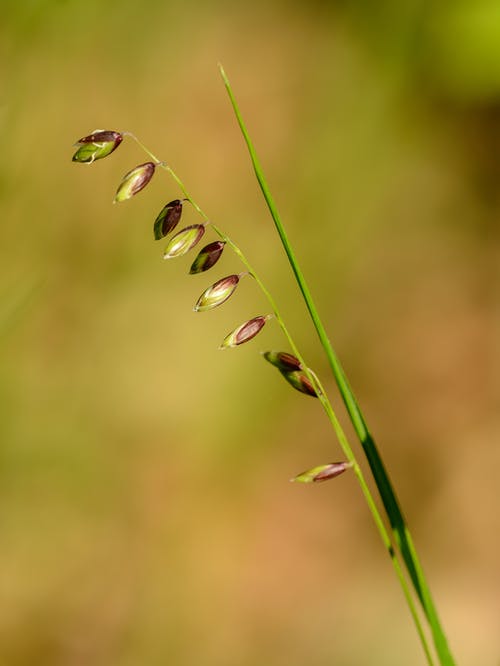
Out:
{"x": 146, "y": 514}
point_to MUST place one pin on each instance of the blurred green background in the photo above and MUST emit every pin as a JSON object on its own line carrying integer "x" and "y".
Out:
{"x": 145, "y": 511}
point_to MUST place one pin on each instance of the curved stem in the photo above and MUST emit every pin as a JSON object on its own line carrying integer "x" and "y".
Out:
{"x": 325, "y": 402}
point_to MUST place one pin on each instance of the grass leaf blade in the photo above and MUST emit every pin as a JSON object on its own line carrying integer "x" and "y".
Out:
{"x": 387, "y": 493}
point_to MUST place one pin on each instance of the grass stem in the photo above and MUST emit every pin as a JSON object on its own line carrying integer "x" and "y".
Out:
{"x": 388, "y": 496}
{"x": 327, "y": 406}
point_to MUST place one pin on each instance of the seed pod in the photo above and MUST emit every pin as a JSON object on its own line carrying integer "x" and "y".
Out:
{"x": 245, "y": 332}
{"x": 183, "y": 241}
{"x": 207, "y": 257}
{"x": 322, "y": 472}
{"x": 217, "y": 294}
{"x": 168, "y": 219}
{"x": 283, "y": 361}
{"x": 299, "y": 381}
{"x": 97, "y": 145}
{"x": 134, "y": 181}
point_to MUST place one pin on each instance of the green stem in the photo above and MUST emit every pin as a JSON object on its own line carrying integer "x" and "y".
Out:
{"x": 381, "y": 477}
{"x": 341, "y": 436}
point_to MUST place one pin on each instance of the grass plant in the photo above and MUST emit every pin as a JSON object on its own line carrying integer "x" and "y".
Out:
{"x": 388, "y": 516}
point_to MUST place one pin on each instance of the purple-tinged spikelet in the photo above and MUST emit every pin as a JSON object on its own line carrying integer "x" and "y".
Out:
{"x": 291, "y": 369}
{"x": 207, "y": 257}
{"x": 300, "y": 381}
{"x": 322, "y": 472}
{"x": 217, "y": 294}
{"x": 167, "y": 219}
{"x": 283, "y": 361}
{"x": 97, "y": 145}
{"x": 183, "y": 241}
{"x": 245, "y": 332}
{"x": 134, "y": 181}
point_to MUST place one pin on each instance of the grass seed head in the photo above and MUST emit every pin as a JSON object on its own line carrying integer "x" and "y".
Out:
{"x": 283, "y": 361}
{"x": 183, "y": 241}
{"x": 299, "y": 380}
{"x": 134, "y": 181}
{"x": 217, "y": 294}
{"x": 245, "y": 332}
{"x": 207, "y": 257}
{"x": 97, "y": 145}
{"x": 322, "y": 472}
{"x": 167, "y": 219}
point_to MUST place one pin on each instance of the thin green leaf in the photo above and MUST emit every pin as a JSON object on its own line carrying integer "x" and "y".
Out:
{"x": 387, "y": 493}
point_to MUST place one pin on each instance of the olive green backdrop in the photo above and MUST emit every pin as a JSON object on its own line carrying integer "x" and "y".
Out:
{"x": 145, "y": 511}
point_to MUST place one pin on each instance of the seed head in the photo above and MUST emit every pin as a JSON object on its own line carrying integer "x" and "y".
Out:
{"x": 300, "y": 381}
{"x": 134, "y": 181}
{"x": 217, "y": 294}
{"x": 97, "y": 145}
{"x": 167, "y": 219}
{"x": 322, "y": 472}
{"x": 283, "y": 361}
{"x": 183, "y": 241}
{"x": 245, "y": 332}
{"x": 292, "y": 370}
{"x": 207, "y": 257}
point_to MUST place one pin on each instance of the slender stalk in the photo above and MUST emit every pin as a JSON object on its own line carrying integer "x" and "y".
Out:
{"x": 387, "y": 493}
{"x": 341, "y": 436}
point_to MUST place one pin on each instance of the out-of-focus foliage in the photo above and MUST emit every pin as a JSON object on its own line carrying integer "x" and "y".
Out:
{"x": 146, "y": 515}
